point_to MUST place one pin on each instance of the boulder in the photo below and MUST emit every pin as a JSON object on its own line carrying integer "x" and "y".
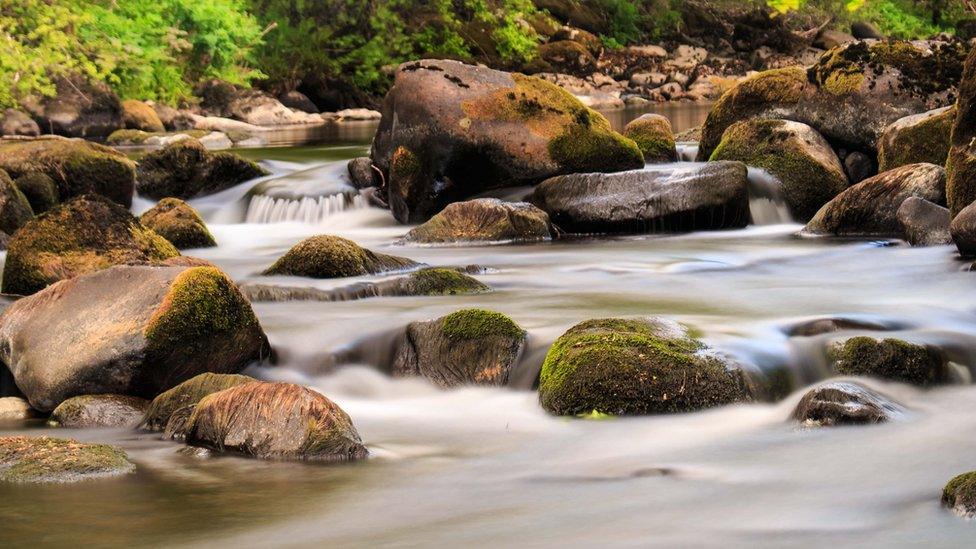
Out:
{"x": 14, "y": 122}
{"x": 274, "y": 421}
{"x": 794, "y": 153}
{"x": 173, "y": 119}
{"x": 357, "y": 115}
{"x": 187, "y": 395}
{"x": 137, "y": 115}
{"x": 850, "y": 95}
{"x": 40, "y": 191}
{"x": 485, "y": 220}
{"x": 54, "y": 460}
{"x": 186, "y": 169}
{"x": 451, "y": 131}
{"x": 959, "y": 495}
{"x": 590, "y": 41}
{"x": 77, "y": 167}
{"x": 891, "y": 359}
{"x": 870, "y": 208}
{"x": 657, "y": 199}
{"x": 179, "y": 223}
{"x": 917, "y": 138}
{"x": 361, "y": 173}
{"x": 635, "y": 366}
{"x": 864, "y": 30}
{"x": 828, "y": 325}
{"x": 844, "y": 403}
{"x": 467, "y": 347}
{"x": 924, "y": 223}
{"x": 327, "y": 256}
{"x": 829, "y": 39}
{"x": 858, "y": 167}
{"x": 128, "y": 330}
{"x": 962, "y": 230}
{"x": 653, "y": 135}
{"x": 249, "y": 105}
{"x": 15, "y": 210}
{"x": 90, "y": 411}
{"x": 81, "y": 236}
{"x": 15, "y": 409}
{"x": 297, "y": 101}
{"x": 567, "y": 56}
{"x": 79, "y": 108}
{"x": 961, "y": 164}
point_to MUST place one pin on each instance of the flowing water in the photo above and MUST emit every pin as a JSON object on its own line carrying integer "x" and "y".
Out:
{"x": 487, "y": 467}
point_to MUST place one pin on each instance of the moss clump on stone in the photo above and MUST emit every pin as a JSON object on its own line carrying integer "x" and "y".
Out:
{"x": 327, "y": 256}
{"x": 924, "y": 140}
{"x": 186, "y": 169}
{"x": 188, "y": 393}
{"x": 15, "y": 210}
{"x": 478, "y": 324}
{"x": 959, "y": 494}
{"x": 443, "y": 281}
{"x": 81, "y": 236}
{"x": 140, "y": 116}
{"x": 179, "y": 223}
{"x": 45, "y": 460}
{"x": 484, "y": 220}
{"x": 622, "y": 367}
{"x": 892, "y": 359}
{"x": 39, "y": 189}
{"x": 654, "y": 137}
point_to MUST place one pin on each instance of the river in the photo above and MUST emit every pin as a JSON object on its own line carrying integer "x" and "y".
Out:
{"x": 488, "y": 467}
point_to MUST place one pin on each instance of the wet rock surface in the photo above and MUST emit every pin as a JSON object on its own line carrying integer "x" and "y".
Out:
{"x": 844, "y": 403}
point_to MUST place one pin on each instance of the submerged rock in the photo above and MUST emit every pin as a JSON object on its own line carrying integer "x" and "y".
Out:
{"x": 129, "y": 330}
{"x": 959, "y": 495}
{"x": 79, "y": 108}
{"x": 917, "y": 138}
{"x": 467, "y": 347}
{"x": 654, "y": 137}
{"x": 450, "y": 131}
{"x": 870, "y": 208}
{"x": 327, "y": 256}
{"x": 430, "y": 281}
{"x": 186, "y": 169}
{"x": 88, "y": 411}
{"x": 137, "y": 115}
{"x": 640, "y": 366}
{"x": 361, "y": 173}
{"x": 891, "y": 359}
{"x": 179, "y": 223}
{"x": 15, "y": 210}
{"x": 57, "y": 460}
{"x": 485, "y": 220}
{"x": 274, "y": 421}
{"x": 924, "y": 223}
{"x": 81, "y": 236}
{"x": 795, "y": 153}
{"x": 15, "y": 409}
{"x": 187, "y": 394}
{"x": 844, "y": 403}
{"x": 40, "y": 191}
{"x": 658, "y": 199}
{"x": 821, "y": 326}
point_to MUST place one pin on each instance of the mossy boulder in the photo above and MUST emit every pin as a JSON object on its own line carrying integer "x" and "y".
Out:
{"x": 81, "y": 236}
{"x": 88, "y": 411}
{"x": 467, "y": 347}
{"x": 917, "y": 138}
{"x": 128, "y": 330}
{"x": 710, "y": 196}
{"x": 891, "y": 359}
{"x": 275, "y": 421}
{"x": 567, "y": 57}
{"x": 805, "y": 164}
{"x": 961, "y": 164}
{"x": 187, "y": 394}
{"x": 179, "y": 223}
{"x": 844, "y": 403}
{"x": 850, "y": 95}
{"x": 959, "y": 495}
{"x": 635, "y": 366}
{"x": 484, "y": 220}
{"x": 77, "y": 167}
{"x": 327, "y": 256}
{"x": 436, "y": 281}
{"x": 925, "y": 223}
{"x": 450, "y": 131}
{"x": 79, "y": 107}
{"x": 654, "y": 137}
{"x": 55, "y": 460}
{"x": 186, "y": 169}
{"x": 137, "y": 115}
{"x": 15, "y": 210}
{"x": 40, "y": 191}
{"x": 870, "y": 208}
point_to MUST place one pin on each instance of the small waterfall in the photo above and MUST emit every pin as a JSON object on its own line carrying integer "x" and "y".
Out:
{"x": 308, "y": 209}
{"x": 766, "y": 203}
{"x": 687, "y": 152}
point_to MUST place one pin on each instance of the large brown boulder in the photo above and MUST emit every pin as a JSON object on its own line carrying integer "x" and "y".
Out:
{"x": 89, "y": 411}
{"x": 450, "y": 131}
{"x": 917, "y": 138}
{"x": 870, "y": 208}
{"x": 486, "y": 220}
{"x": 179, "y": 223}
{"x": 961, "y": 165}
{"x": 186, "y": 169}
{"x": 187, "y": 394}
{"x": 81, "y": 236}
{"x": 79, "y": 108}
{"x": 128, "y": 330}
{"x": 924, "y": 223}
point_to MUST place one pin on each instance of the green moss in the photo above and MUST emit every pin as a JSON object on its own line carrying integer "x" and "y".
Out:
{"x": 188, "y": 393}
{"x": 478, "y": 324}
{"x": 326, "y": 256}
{"x": 179, "y": 223}
{"x": 441, "y": 281}
{"x": 892, "y": 359}
{"x": 31, "y": 460}
{"x": 186, "y": 169}
{"x": 40, "y": 191}
{"x": 653, "y": 136}
{"x": 961, "y": 492}
{"x": 925, "y": 141}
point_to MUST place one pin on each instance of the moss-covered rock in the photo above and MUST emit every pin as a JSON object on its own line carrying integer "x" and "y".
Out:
{"x": 437, "y": 281}
{"x": 55, "y": 460}
{"x": 15, "y": 210}
{"x": 186, "y": 169}
{"x": 567, "y": 57}
{"x": 451, "y": 131}
{"x": 77, "y": 167}
{"x": 275, "y": 421}
{"x": 188, "y": 393}
{"x": 81, "y": 236}
{"x": 889, "y": 358}
{"x": 327, "y": 256}
{"x": 640, "y": 366}
{"x": 959, "y": 495}
{"x": 961, "y": 164}
{"x": 917, "y": 138}
{"x": 485, "y": 220}
{"x": 844, "y": 403}
{"x": 467, "y": 347}
{"x": 79, "y": 107}
{"x": 654, "y": 137}
{"x": 40, "y": 190}
{"x": 432, "y": 281}
{"x": 179, "y": 223}
{"x": 962, "y": 231}
{"x": 795, "y": 153}
{"x": 137, "y": 115}
{"x": 88, "y": 411}
{"x": 128, "y": 330}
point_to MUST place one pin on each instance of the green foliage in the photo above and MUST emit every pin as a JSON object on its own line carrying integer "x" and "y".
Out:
{"x": 908, "y": 19}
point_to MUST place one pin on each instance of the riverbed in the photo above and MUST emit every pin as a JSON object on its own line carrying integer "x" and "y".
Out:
{"x": 488, "y": 467}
